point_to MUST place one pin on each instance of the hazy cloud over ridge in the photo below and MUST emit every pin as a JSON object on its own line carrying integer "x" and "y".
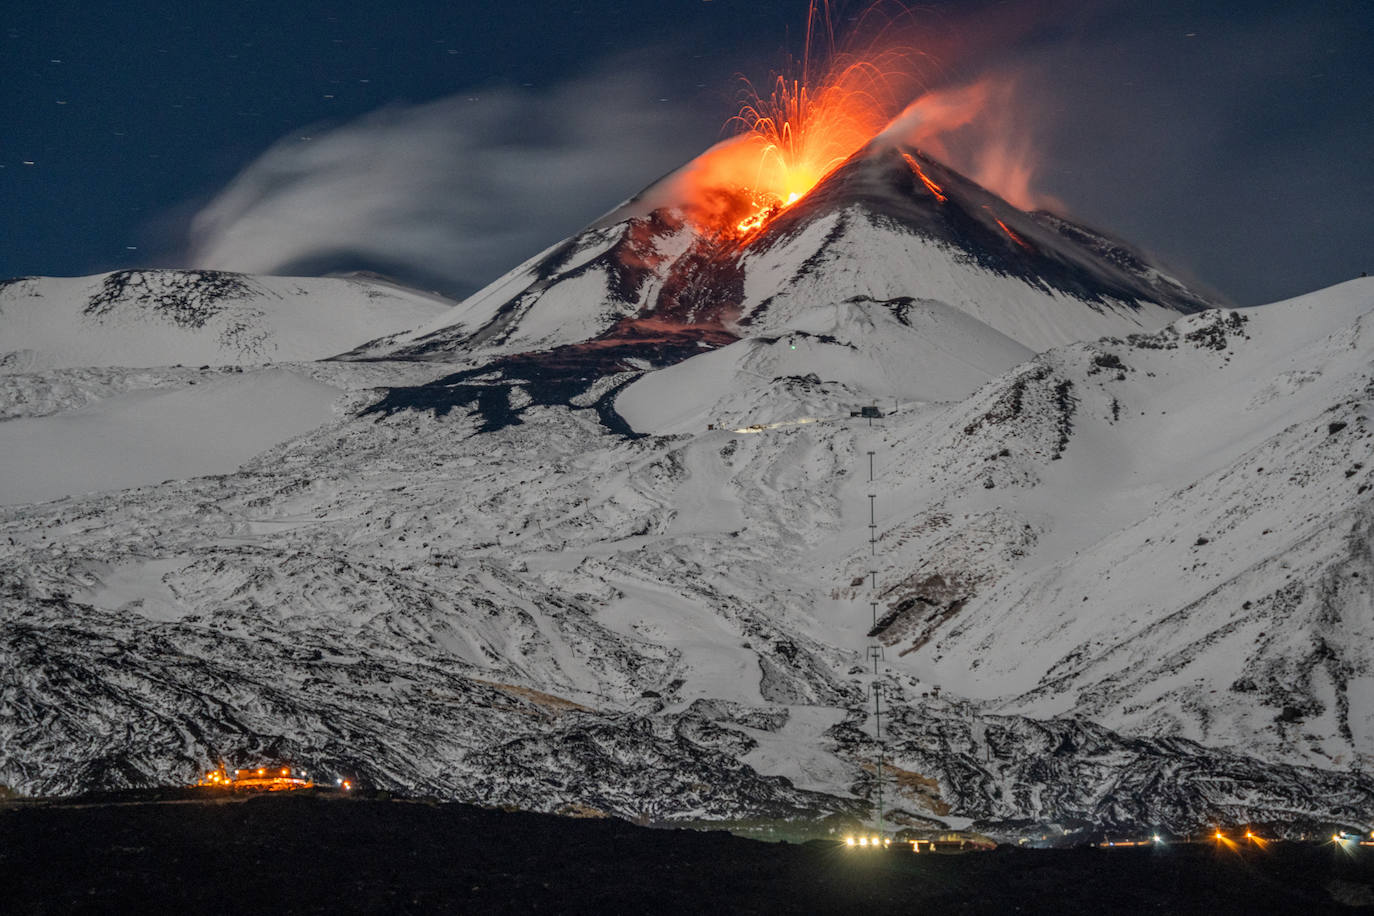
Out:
{"x": 451, "y": 192}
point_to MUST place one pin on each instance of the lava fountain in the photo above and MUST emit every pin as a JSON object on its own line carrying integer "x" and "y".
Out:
{"x": 814, "y": 116}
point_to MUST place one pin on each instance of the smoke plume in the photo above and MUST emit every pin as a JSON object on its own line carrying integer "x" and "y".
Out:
{"x": 985, "y": 130}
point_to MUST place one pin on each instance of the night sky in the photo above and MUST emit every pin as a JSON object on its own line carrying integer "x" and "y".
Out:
{"x": 445, "y": 142}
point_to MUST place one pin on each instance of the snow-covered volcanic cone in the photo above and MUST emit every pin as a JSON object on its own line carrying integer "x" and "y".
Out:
{"x": 904, "y": 279}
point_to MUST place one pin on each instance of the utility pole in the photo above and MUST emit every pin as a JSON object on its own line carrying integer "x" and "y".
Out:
{"x": 873, "y": 598}
{"x": 872, "y": 525}
{"x": 878, "y": 737}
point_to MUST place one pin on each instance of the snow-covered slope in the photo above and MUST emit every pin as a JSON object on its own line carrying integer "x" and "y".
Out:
{"x": 609, "y": 536}
{"x": 195, "y": 317}
{"x": 557, "y": 614}
{"x": 852, "y": 352}
{"x": 1173, "y": 533}
{"x": 616, "y": 269}
{"x": 208, "y": 424}
{"x": 892, "y": 222}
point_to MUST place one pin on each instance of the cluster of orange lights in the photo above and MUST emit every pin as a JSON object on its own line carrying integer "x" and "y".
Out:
{"x": 260, "y": 779}
{"x": 1346, "y": 840}
{"x": 1112, "y": 844}
{"x": 1249, "y": 835}
{"x": 1248, "y": 838}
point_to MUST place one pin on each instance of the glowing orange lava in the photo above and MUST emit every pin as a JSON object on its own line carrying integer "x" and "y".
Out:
{"x": 1014, "y": 237}
{"x": 797, "y": 135}
{"x": 812, "y": 117}
{"x": 808, "y": 123}
{"x": 931, "y": 186}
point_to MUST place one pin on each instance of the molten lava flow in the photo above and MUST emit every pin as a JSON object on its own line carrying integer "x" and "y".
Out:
{"x": 984, "y": 130}
{"x": 1013, "y": 236}
{"x": 932, "y": 187}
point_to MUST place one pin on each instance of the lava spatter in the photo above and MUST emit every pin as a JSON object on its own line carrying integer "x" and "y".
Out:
{"x": 812, "y": 116}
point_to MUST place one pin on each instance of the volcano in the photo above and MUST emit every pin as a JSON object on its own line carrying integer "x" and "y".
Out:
{"x": 608, "y": 538}
{"x": 890, "y": 230}
{"x": 900, "y": 224}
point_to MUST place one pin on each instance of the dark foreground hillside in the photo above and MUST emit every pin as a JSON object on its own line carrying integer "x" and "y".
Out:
{"x": 323, "y": 854}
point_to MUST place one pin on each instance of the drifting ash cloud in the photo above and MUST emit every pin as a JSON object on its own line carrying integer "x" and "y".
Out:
{"x": 449, "y": 193}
